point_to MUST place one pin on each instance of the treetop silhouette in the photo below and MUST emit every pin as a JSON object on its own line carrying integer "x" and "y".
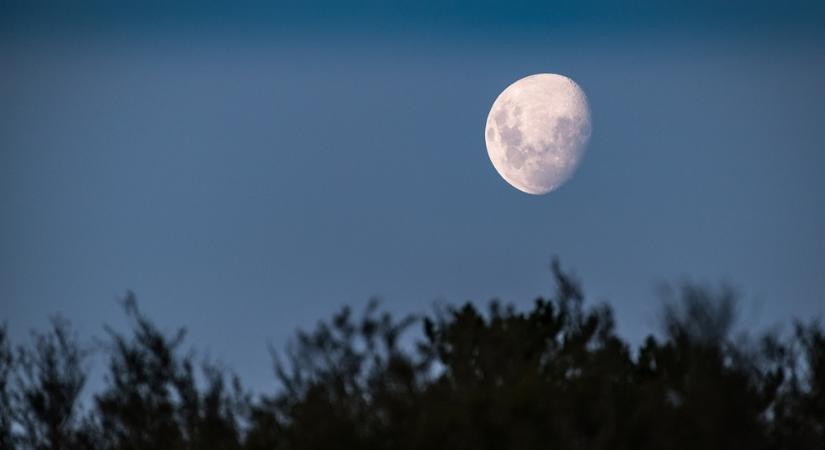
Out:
{"x": 556, "y": 376}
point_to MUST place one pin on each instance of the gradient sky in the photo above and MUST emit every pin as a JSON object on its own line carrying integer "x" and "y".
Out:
{"x": 247, "y": 170}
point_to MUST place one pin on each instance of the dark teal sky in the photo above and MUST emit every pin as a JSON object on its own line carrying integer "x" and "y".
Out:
{"x": 247, "y": 170}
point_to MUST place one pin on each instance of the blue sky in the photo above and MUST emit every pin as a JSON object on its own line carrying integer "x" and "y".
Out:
{"x": 248, "y": 170}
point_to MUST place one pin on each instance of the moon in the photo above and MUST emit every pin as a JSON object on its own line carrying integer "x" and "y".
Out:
{"x": 537, "y": 132}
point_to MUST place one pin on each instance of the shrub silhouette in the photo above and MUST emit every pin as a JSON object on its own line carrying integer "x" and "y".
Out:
{"x": 554, "y": 377}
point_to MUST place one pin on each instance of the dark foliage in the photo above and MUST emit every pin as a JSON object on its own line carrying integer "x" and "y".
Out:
{"x": 554, "y": 377}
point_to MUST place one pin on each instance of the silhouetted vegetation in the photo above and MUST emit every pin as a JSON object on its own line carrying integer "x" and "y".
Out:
{"x": 554, "y": 377}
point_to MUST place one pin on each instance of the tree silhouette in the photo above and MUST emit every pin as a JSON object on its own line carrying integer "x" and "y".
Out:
{"x": 49, "y": 377}
{"x": 153, "y": 399}
{"x": 556, "y": 376}
{"x": 6, "y": 409}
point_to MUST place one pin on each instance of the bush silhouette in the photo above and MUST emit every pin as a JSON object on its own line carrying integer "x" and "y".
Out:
{"x": 556, "y": 376}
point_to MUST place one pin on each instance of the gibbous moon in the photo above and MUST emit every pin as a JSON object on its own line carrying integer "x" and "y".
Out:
{"x": 537, "y": 131}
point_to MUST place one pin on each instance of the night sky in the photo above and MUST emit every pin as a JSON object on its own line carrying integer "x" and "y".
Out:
{"x": 247, "y": 170}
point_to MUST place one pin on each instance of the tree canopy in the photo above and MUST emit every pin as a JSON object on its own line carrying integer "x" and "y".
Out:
{"x": 555, "y": 376}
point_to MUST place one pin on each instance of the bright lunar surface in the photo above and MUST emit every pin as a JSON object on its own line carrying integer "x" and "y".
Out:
{"x": 537, "y": 131}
